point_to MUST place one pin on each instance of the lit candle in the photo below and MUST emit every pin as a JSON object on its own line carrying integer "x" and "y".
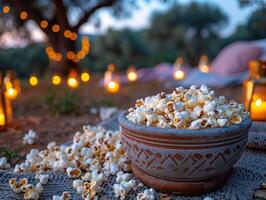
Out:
{"x": 113, "y": 86}
{"x": 258, "y": 109}
{"x": 2, "y": 119}
{"x": 33, "y": 80}
{"x": 11, "y": 93}
{"x": 178, "y": 73}
{"x": 132, "y": 74}
{"x": 203, "y": 64}
{"x": 109, "y": 73}
{"x": 72, "y": 80}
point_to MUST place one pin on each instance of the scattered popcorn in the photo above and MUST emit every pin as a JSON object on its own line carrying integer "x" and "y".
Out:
{"x": 30, "y": 191}
{"x": 4, "y": 165}
{"x": 29, "y": 137}
{"x": 148, "y": 194}
{"x": 93, "y": 156}
{"x": 187, "y": 109}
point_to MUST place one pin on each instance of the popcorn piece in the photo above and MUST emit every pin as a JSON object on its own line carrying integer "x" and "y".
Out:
{"x": 73, "y": 172}
{"x": 29, "y": 137}
{"x": 148, "y": 194}
{"x": 222, "y": 122}
{"x": 77, "y": 183}
{"x": 39, "y": 187}
{"x": 43, "y": 178}
{"x": 4, "y": 164}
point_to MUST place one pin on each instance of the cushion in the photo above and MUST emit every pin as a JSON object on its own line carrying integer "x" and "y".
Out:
{"x": 234, "y": 58}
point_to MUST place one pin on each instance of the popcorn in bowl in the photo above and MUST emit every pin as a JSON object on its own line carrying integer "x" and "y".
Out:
{"x": 193, "y": 108}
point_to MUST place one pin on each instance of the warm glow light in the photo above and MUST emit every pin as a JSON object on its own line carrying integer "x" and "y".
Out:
{"x": 113, "y": 87}
{"x": 70, "y": 55}
{"x": 33, "y": 80}
{"x": 73, "y": 36}
{"x": 55, "y": 28}
{"x": 132, "y": 76}
{"x": 203, "y": 64}
{"x": 58, "y": 57}
{"x": 204, "y": 68}
{"x": 67, "y": 33}
{"x": 2, "y": 119}
{"x": 43, "y": 24}
{"x": 258, "y": 109}
{"x": 179, "y": 75}
{"x": 56, "y": 80}
{"x": 132, "y": 73}
{"x": 85, "y": 76}
{"x": 12, "y": 93}
{"x": 6, "y": 9}
{"x": 111, "y": 67}
{"x": 258, "y": 102}
{"x": 72, "y": 82}
{"x": 23, "y": 15}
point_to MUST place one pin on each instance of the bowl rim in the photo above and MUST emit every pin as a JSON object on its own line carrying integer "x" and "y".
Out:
{"x": 224, "y": 131}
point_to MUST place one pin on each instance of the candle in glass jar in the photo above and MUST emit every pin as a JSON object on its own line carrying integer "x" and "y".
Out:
{"x": 258, "y": 109}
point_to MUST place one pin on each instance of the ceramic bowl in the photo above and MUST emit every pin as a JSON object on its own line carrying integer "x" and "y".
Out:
{"x": 183, "y": 161}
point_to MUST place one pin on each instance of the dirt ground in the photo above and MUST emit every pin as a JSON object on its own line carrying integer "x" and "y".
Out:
{"x": 55, "y": 113}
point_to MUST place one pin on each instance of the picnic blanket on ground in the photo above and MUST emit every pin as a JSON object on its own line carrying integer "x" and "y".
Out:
{"x": 247, "y": 175}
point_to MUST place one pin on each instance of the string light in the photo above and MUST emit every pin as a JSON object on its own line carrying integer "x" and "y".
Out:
{"x": 67, "y": 33}
{"x": 55, "y": 28}
{"x": 73, "y": 36}
{"x": 6, "y": 9}
{"x": 23, "y": 15}
{"x": 43, "y": 24}
{"x": 56, "y": 79}
{"x": 33, "y": 80}
{"x": 85, "y": 76}
{"x": 70, "y": 55}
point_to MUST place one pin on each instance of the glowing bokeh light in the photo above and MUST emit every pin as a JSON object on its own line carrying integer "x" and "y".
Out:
{"x": 33, "y": 80}
{"x": 85, "y": 76}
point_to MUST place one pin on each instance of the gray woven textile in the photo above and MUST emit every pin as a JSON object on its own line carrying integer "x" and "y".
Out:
{"x": 247, "y": 175}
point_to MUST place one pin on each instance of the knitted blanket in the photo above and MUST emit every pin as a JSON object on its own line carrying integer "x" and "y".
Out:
{"x": 247, "y": 175}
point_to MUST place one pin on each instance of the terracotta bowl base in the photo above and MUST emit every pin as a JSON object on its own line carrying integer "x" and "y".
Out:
{"x": 180, "y": 188}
